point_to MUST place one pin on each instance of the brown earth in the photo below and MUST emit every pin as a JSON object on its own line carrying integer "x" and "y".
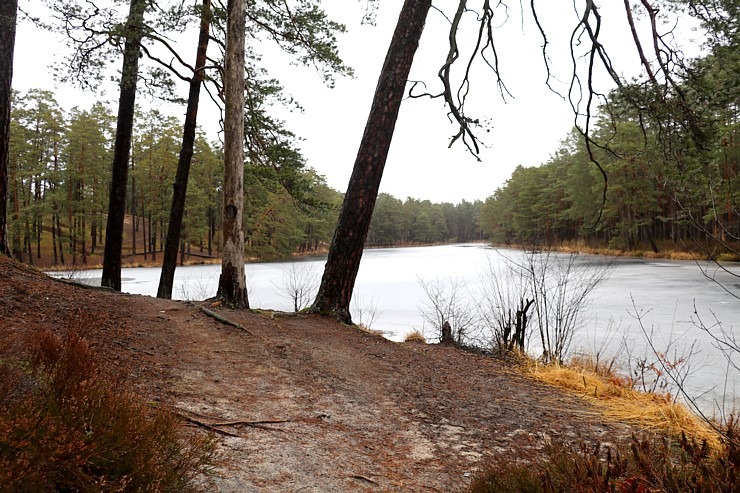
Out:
{"x": 317, "y": 406}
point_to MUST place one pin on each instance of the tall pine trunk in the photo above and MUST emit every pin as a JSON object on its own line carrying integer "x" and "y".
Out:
{"x": 8, "y": 13}
{"x": 345, "y": 252}
{"x": 124, "y": 128}
{"x": 232, "y": 285}
{"x": 179, "y": 193}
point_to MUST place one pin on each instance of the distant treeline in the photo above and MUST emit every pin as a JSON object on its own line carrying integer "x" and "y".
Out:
{"x": 413, "y": 221}
{"x": 59, "y": 177}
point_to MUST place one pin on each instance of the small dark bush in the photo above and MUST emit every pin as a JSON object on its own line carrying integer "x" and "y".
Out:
{"x": 66, "y": 426}
{"x": 647, "y": 465}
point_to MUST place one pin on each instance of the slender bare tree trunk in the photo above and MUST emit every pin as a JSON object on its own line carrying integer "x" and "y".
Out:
{"x": 232, "y": 285}
{"x": 124, "y": 129}
{"x": 8, "y": 15}
{"x": 174, "y": 228}
{"x": 345, "y": 252}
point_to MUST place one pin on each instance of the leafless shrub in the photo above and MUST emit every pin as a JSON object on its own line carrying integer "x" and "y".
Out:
{"x": 449, "y": 311}
{"x": 196, "y": 289}
{"x": 561, "y": 286}
{"x": 557, "y": 288}
{"x": 505, "y": 306}
{"x": 364, "y": 313}
{"x": 75, "y": 273}
{"x": 299, "y": 283}
{"x": 673, "y": 366}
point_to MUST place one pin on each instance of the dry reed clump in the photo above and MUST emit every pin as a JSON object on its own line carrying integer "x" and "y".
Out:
{"x": 615, "y": 399}
{"x": 67, "y": 426}
{"x": 683, "y": 454}
{"x": 369, "y": 330}
{"x": 415, "y": 337}
{"x": 728, "y": 257}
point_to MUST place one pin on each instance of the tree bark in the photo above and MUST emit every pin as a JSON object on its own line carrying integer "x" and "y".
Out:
{"x": 232, "y": 285}
{"x": 8, "y": 17}
{"x": 174, "y": 228}
{"x": 124, "y": 128}
{"x": 345, "y": 252}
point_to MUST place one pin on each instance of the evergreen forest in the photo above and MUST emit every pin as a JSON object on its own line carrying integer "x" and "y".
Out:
{"x": 59, "y": 174}
{"x": 653, "y": 174}
{"x": 653, "y": 170}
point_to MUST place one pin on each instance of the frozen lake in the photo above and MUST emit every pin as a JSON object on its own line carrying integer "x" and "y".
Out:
{"x": 389, "y": 286}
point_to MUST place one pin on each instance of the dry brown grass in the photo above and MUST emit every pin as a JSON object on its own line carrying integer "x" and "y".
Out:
{"x": 370, "y": 330}
{"x": 666, "y": 251}
{"x": 615, "y": 400}
{"x": 415, "y": 336}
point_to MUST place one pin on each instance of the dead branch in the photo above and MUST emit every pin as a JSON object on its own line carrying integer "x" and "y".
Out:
{"x": 360, "y": 477}
{"x": 207, "y": 426}
{"x": 252, "y": 423}
{"x": 255, "y": 424}
{"x": 224, "y": 320}
{"x": 216, "y": 427}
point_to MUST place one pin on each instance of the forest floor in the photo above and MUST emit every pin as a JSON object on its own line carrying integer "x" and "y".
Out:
{"x": 315, "y": 406}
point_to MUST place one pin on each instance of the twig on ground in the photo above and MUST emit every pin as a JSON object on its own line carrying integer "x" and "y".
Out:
{"x": 252, "y": 423}
{"x": 217, "y": 426}
{"x": 363, "y": 478}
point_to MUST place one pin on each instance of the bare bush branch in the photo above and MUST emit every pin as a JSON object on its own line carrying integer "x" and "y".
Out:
{"x": 449, "y": 311}
{"x": 299, "y": 283}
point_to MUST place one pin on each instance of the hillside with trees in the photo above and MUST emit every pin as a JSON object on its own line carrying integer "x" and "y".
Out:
{"x": 59, "y": 170}
{"x": 657, "y": 172}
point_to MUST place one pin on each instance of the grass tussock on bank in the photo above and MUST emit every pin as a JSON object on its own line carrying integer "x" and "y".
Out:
{"x": 616, "y": 400}
{"x": 677, "y": 453}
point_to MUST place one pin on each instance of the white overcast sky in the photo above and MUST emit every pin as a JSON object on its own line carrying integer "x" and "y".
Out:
{"x": 526, "y": 130}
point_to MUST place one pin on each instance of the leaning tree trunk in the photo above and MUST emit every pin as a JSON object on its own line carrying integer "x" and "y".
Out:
{"x": 124, "y": 128}
{"x": 232, "y": 285}
{"x": 8, "y": 13}
{"x": 169, "y": 262}
{"x": 345, "y": 252}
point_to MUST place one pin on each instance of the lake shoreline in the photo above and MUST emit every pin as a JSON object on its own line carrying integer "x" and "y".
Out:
{"x": 664, "y": 254}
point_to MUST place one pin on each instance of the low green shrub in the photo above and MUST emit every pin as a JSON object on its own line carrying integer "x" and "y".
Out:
{"x": 645, "y": 465}
{"x": 67, "y": 426}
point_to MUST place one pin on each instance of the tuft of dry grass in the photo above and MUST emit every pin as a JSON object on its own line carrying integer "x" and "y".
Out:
{"x": 616, "y": 400}
{"x": 369, "y": 330}
{"x": 728, "y": 257}
{"x": 416, "y": 337}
